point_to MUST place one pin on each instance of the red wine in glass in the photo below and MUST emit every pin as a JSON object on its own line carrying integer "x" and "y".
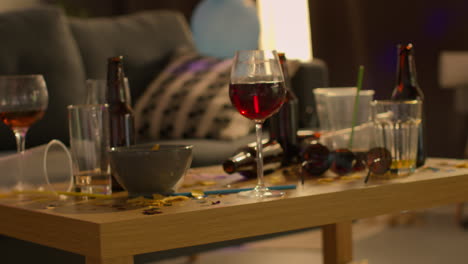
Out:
{"x": 257, "y": 100}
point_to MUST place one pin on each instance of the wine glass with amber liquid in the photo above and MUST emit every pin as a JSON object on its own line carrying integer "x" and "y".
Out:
{"x": 257, "y": 90}
{"x": 23, "y": 101}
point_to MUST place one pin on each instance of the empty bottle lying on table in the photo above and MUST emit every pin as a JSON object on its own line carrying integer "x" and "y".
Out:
{"x": 243, "y": 161}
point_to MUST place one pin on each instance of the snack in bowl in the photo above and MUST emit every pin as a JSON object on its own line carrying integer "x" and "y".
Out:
{"x": 144, "y": 170}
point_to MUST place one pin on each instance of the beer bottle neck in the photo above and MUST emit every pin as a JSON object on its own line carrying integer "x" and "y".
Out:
{"x": 290, "y": 95}
{"x": 406, "y": 72}
{"x": 115, "y": 81}
{"x": 406, "y": 86}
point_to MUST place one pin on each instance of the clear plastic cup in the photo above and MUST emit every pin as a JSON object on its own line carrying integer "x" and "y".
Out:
{"x": 335, "y": 107}
{"x": 43, "y": 168}
{"x": 363, "y": 138}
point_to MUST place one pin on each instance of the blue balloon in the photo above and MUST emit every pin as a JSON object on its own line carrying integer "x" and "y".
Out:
{"x": 221, "y": 27}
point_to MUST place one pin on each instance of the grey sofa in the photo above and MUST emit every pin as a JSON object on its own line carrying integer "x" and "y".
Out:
{"x": 69, "y": 50}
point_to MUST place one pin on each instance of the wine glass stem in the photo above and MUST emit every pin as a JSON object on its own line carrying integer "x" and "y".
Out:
{"x": 260, "y": 181}
{"x": 20, "y": 135}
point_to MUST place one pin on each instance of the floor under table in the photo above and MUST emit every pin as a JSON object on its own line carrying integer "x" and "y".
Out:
{"x": 423, "y": 237}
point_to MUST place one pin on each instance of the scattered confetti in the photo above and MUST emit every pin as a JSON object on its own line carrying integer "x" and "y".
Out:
{"x": 354, "y": 176}
{"x": 164, "y": 201}
{"x": 177, "y": 198}
{"x": 158, "y": 196}
{"x": 6, "y": 195}
{"x": 140, "y": 200}
{"x": 325, "y": 180}
{"x": 151, "y": 211}
{"x": 277, "y": 179}
{"x": 359, "y": 262}
{"x": 200, "y": 183}
{"x": 155, "y": 147}
{"x": 215, "y": 202}
{"x": 207, "y": 183}
{"x": 433, "y": 169}
{"x": 197, "y": 194}
{"x": 51, "y": 193}
{"x": 462, "y": 165}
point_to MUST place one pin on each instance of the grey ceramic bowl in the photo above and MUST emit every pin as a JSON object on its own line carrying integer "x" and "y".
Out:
{"x": 143, "y": 171}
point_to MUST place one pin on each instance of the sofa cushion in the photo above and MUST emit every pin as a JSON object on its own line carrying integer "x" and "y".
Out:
{"x": 145, "y": 39}
{"x": 39, "y": 41}
{"x": 190, "y": 99}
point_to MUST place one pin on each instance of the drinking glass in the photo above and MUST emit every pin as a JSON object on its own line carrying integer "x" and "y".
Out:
{"x": 23, "y": 102}
{"x": 89, "y": 141}
{"x": 257, "y": 91}
{"x": 396, "y": 125}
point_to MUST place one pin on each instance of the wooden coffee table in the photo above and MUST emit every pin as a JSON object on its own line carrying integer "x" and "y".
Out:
{"x": 113, "y": 231}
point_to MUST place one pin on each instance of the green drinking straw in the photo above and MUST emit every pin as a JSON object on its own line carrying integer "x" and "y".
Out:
{"x": 356, "y": 103}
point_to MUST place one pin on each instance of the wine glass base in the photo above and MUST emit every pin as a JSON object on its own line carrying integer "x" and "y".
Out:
{"x": 261, "y": 193}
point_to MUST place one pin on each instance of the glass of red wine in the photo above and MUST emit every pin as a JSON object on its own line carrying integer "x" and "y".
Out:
{"x": 23, "y": 102}
{"x": 257, "y": 91}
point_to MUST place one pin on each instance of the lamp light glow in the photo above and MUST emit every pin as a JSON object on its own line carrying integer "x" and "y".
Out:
{"x": 285, "y": 27}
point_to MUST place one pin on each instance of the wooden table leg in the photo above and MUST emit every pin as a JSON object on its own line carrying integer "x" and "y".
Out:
{"x": 337, "y": 243}
{"x": 117, "y": 260}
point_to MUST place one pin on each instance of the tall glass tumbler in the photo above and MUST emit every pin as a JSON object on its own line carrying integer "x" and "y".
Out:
{"x": 89, "y": 140}
{"x": 396, "y": 125}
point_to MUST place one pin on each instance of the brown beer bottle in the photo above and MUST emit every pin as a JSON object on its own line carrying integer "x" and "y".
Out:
{"x": 407, "y": 88}
{"x": 244, "y": 160}
{"x": 121, "y": 118}
{"x": 284, "y": 124}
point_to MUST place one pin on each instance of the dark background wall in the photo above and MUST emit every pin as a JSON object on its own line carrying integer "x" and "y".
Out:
{"x": 349, "y": 33}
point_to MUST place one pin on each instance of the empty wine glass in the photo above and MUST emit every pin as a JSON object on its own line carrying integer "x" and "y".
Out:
{"x": 257, "y": 91}
{"x": 23, "y": 101}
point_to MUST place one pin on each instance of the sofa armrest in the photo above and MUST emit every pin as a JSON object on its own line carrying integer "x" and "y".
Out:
{"x": 308, "y": 76}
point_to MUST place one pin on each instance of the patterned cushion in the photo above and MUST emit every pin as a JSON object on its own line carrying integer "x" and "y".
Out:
{"x": 190, "y": 99}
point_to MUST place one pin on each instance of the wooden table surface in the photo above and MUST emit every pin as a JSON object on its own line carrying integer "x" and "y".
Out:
{"x": 113, "y": 230}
